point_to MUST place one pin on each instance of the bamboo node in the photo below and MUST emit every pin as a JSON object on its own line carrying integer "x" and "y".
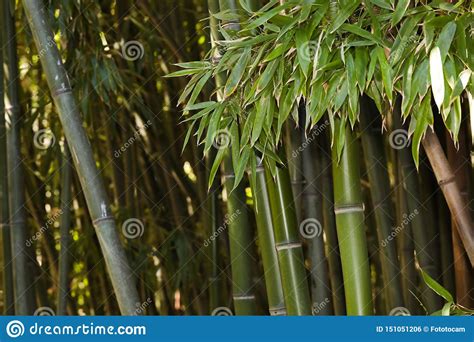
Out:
{"x": 287, "y": 245}
{"x": 349, "y": 208}
{"x": 61, "y": 91}
{"x": 277, "y": 311}
{"x": 443, "y": 182}
{"x": 244, "y": 297}
{"x": 99, "y": 220}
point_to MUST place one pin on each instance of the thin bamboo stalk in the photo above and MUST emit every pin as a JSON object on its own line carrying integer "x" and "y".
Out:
{"x": 22, "y": 282}
{"x": 376, "y": 165}
{"x": 349, "y": 210}
{"x": 122, "y": 276}
{"x": 288, "y": 244}
{"x": 64, "y": 231}
{"x": 266, "y": 238}
{"x": 456, "y": 202}
{"x": 8, "y": 295}
{"x": 313, "y": 222}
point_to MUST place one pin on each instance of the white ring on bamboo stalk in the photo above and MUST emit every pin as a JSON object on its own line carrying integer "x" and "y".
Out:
{"x": 244, "y": 297}
{"x": 290, "y": 245}
{"x": 356, "y": 208}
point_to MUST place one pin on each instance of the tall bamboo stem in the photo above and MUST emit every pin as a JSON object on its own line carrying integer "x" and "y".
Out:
{"x": 288, "y": 244}
{"x": 94, "y": 191}
{"x": 22, "y": 281}
{"x": 8, "y": 301}
{"x": 456, "y": 202}
{"x": 349, "y": 210}
{"x": 376, "y": 165}
{"x": 266, "y": 238}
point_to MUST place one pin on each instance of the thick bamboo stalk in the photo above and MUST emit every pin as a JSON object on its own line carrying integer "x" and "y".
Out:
{"x": 64, "y": 231}
{"x": 22, "y": 281}
{"x": 349, "y": 210}
{"x": 8, "y": 296}
{"x": 332, "y": 245}
{"x": 241, "y": 244}
{"x": 122, "y": 276}
{"x": 457, "y": 204}
{"x": 288, "y": 244}
{"x": 376, "y": 165}
{"x": 266, "y": 238}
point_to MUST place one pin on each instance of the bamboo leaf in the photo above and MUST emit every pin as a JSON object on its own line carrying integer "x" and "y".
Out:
{"x": 215, "y": 166}
{"x": 399, "y": 12}
{"x": 237, "y": 73}
{"x": 242, "y": 164}
{"x": 344, "y": 14}
{"x": 436, "y": 287}
{"x": 445, "y": 39}
{"x": 362, "y": 33}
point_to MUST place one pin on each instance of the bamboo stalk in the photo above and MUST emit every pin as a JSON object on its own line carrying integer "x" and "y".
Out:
{"x": 240, "y": 243}
{"x": 266, "y": 238}
{"x": 22, "y": 281}
{"x": 322, "y": 301}
{"x": 446, "y": 180}
{"x": 376, "y": 165}
{"x": 288, "y": 244}
{"x": 332, "y": 245}
{"x": 94, "y": 191}
{"x": 64, "y": 231}
{"x": 349, "y": 210}
{"x": 8, "y": 295}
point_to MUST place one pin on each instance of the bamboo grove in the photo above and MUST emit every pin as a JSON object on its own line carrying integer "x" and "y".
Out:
{"x": 237, "y": 157}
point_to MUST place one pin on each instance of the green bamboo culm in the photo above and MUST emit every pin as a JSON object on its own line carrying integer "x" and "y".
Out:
{"x": 266, "y": 238}
{"x": 241, "y": 243}
{"x": 349, "y": 210}
{"x": 415, "y": 212}
{"x": 376, "y": 165}
{"x": 119, "y": 270}
{"x": 8, "y": 296}
{"x": 288, "y": 244}
{"x": 22, "y": 280}
{"x": 64, "y": 231}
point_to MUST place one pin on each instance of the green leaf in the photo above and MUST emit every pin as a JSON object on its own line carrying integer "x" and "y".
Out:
{"x": 242, "y": 164}
{"x": 343, "y": 14}
{"x": 400, "y": 10}
{"x": 445, "y": 39}
{"x": 237, "y": 73}
{"x": 423, "y": 120}
{"x": 268, "y": 15}
{"x": 386, "y": 73}
{"x": 362, "y": 33}
{"x": 215, "y": 166}
{"x": 436, "y": 287}
{"x": 266, "y": 76}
